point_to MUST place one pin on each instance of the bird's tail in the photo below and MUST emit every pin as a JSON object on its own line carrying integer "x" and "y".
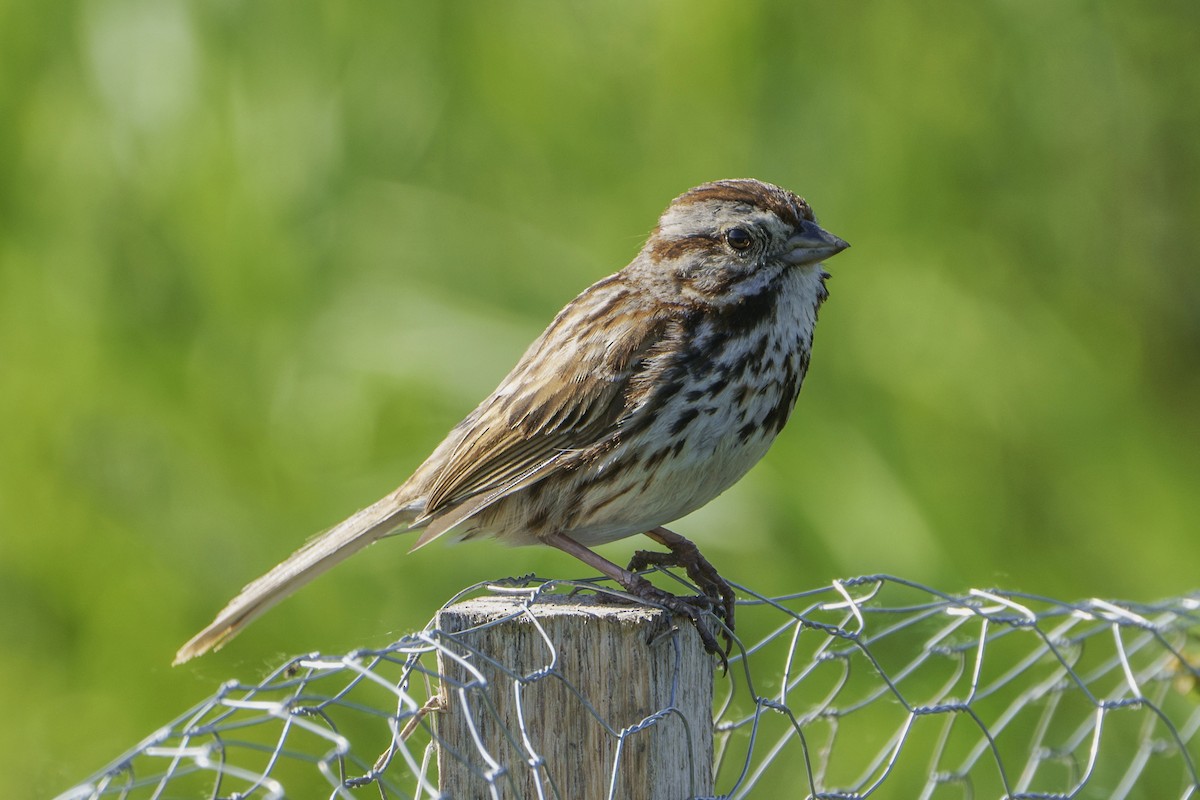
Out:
{"x": 319, "y": 554}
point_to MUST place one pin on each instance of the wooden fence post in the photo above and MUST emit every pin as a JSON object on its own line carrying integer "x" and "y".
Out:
{"x": 640, "y": 727}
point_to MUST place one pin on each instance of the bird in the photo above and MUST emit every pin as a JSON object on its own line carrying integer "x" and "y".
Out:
{"x": 649, "y": 394}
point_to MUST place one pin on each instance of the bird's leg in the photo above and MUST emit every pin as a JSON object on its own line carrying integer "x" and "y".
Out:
{"x": 642, "y": 589}
{"x": 685, "y": 554}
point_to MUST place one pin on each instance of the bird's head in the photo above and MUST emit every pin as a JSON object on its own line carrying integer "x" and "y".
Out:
{"x": 726, "y": 240}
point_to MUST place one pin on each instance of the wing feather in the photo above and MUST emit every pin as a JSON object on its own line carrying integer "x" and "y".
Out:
{"x": 567, "y": 395}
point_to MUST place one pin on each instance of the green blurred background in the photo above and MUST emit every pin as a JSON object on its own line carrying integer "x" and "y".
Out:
{"x": 256, "y": 258}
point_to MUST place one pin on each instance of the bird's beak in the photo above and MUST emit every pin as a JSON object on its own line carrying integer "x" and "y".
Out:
{"x": 811, "y": 244}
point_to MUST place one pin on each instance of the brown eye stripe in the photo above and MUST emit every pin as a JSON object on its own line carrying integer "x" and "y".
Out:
{"x": 671, "y": 249}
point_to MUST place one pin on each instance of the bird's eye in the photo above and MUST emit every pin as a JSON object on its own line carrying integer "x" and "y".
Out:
{"x": 738, "y": 238}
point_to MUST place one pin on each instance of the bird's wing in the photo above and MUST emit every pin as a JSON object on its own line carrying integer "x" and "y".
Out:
{"x": 572, "y": 391}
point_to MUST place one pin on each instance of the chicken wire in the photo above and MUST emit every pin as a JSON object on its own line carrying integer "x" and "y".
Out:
{"x": 872, "y": 686}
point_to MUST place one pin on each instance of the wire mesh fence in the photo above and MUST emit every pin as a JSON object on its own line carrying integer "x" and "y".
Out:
{"x": 873, "y": 686}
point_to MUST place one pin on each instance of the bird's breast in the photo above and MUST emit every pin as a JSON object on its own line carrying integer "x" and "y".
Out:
{"x": 737, "y": 390}
{"x": 708, "y": 410}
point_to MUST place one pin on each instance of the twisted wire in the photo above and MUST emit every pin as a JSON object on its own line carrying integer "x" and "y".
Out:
{"x": 869, "y": 685}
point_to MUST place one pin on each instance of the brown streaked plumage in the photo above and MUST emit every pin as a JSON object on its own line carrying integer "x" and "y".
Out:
{"x": 648, "y": 395}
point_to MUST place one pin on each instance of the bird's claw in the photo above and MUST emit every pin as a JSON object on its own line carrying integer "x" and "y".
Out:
{"x": 716, "y": 595}
{"x": 694, "y": 608}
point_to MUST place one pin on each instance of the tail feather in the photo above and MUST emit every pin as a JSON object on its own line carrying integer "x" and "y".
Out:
{"x": 319, "y": 554}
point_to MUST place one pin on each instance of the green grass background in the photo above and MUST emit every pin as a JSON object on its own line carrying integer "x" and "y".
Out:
{"x": 257, "y": 257}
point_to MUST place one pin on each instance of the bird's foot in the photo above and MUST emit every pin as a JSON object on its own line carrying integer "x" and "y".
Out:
{"x": 716, "y": 599}
{"x": 683, "y": 553}
{"x": 694, "y": 608}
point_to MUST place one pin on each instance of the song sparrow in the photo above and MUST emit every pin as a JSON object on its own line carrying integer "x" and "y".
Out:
{"x": 649, "y": 394}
